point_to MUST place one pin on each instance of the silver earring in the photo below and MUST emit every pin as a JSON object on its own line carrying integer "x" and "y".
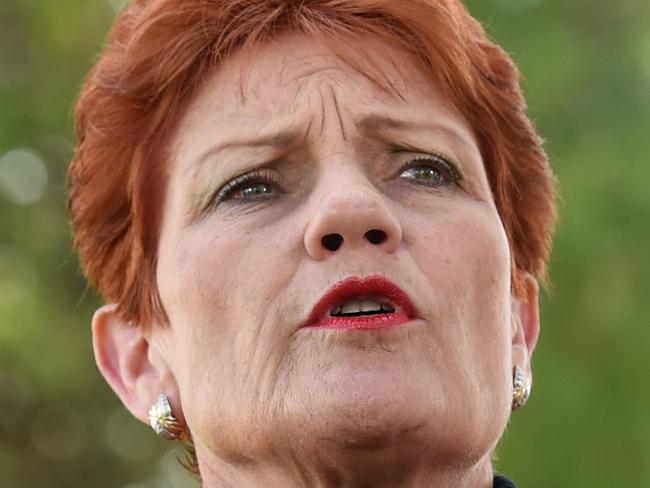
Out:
{"x": 163, "y": 421}
{"x": 521, "y": 388}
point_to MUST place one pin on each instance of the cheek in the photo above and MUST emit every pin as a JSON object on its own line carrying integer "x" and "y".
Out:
{"x": 220, "y": 289}
{"x": 464, "y": 254}
{"x": 465, "y": 258}
{"x": 223, "y": 276}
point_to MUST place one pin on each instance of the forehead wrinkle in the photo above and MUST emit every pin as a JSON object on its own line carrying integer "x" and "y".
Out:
{"x": 358, "y": 59}
{"x": 390, "y": 76}
{"x": 337, "y": 109}
{"x": 333, "y": 63}
{"x": 378, "y": 77}
{"x": 322, "y": 117}
{"x": 380, "y": 80}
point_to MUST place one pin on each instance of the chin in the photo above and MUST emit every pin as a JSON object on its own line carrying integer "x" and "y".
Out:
{"x": 393, "y": 410}
{"x": 364, "y": 408}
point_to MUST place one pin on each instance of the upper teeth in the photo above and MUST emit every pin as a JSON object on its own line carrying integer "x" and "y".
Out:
{"x": 363, "y": 305}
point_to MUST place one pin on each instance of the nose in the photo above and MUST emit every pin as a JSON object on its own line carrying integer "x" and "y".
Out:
{"x": 351, "y": 218}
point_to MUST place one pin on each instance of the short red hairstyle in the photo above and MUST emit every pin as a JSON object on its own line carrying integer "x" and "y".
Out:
{"x": 159, "y": 51}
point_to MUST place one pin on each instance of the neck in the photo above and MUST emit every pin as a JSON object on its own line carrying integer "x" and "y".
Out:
{"x": 377, "y": 468}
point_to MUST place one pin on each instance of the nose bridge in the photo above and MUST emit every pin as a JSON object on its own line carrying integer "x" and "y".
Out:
{"x": 352, "y": 207}
{"x": 350, "y": 213}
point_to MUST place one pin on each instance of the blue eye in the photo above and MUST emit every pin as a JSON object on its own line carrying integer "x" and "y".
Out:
{"x": 431, "y": 171}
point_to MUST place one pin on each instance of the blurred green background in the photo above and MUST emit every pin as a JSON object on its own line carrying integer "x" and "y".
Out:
{"x": 586, "y": 65}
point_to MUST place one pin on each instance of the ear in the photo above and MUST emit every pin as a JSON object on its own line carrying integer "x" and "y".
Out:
{"x": 525, "y": 323}
{"x": 131, "y": 363}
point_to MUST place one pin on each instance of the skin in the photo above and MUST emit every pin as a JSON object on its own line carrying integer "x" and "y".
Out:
{"x": 269, "y": 403}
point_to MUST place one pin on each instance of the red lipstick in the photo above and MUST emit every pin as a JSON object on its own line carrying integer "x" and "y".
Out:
{"x": 397, "y": 309}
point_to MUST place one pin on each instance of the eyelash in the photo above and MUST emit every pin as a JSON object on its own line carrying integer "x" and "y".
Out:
{"x": 448, "y": 170}
{"x": 260, "y": 176}
{"x": 264, "y": 176}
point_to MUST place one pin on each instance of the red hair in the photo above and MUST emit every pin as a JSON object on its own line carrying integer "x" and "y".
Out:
{"x": 159, "y": 51}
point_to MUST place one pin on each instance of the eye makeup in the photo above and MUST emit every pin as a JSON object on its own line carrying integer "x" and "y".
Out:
{"x": 253, "y": 185}
{"x": 447, "y": 173}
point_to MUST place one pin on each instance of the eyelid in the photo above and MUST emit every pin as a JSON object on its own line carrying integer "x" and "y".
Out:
{"x": 448, "y": 161}
{"x": 262, "y": 175}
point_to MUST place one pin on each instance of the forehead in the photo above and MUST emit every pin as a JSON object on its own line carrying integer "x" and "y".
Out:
{"x": 295, "y": 72}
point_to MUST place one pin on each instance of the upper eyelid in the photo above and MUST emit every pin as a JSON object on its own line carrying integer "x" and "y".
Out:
{"x": 453, "y": 164}
{"x": 262, "y": 174}
{"x": 224, "y": 187}
{"x": 408, "y": 149}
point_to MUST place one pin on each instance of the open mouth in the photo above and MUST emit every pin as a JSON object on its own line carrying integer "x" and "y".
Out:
{"x": 362, "y": 307}
{"x": 363, "y": 303}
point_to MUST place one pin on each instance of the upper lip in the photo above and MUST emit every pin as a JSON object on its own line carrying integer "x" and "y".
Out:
{"x": 356, "y": 287}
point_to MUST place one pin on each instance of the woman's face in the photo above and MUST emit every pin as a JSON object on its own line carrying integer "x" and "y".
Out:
{"x": 283, "y": 146}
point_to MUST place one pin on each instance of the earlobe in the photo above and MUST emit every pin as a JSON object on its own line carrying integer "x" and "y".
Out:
{"x": 525, "y": 323}
{"x": 123, "y": 355}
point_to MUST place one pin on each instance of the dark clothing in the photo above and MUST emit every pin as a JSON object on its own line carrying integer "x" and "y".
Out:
{"x": 501, "y": 482}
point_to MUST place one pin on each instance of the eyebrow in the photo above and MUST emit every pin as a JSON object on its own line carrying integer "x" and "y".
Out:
{"x": 369, "y": 125}
{"x": 378, "y": 123}
{"x": 282, "y": 138}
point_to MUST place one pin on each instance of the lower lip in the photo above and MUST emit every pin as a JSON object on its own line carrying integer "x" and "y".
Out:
{"x": 368, "y": 322}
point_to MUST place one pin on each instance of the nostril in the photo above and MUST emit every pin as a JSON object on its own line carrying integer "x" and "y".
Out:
{"x": 376, "y": 236}
{"x": 332, "y": 242}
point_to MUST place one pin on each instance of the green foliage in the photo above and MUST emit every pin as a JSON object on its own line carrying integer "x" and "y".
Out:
{"x": 586, "y": 68}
